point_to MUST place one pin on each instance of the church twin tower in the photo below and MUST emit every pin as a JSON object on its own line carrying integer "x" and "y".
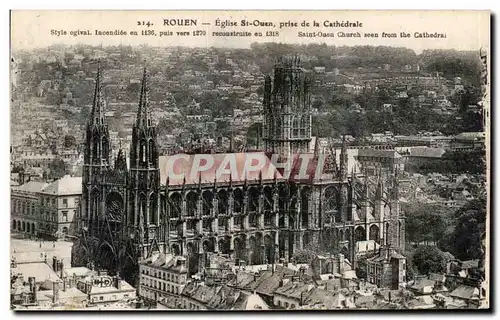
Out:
{"x": 120, "y": 216}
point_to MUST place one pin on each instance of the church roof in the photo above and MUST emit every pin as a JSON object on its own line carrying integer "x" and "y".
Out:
{"x": 375, "y": 153}
{"x": 184, "y": 166}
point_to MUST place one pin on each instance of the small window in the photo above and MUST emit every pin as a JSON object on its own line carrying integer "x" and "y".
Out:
{"x": 101, "y": 298}
{"x": 65, "y": 203}
{"x": 65, "y": 216}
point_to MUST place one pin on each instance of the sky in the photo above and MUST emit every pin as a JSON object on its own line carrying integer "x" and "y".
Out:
{"x": 464, "y": 30}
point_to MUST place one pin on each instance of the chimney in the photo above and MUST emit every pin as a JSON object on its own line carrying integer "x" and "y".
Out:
{"x": 255, "y": 277}
{"x": 54, "y": 264}
{"x": 55, "y": 291}
{"x": 390, "y": 296}
{"x": 118, "y": 282}
{"x": 302, "y": 298}
{"x": 65, "y": 281}
{"x": 341, "y": 263}
{"x": 31, "y": 282}
{"x": 61, "y": 268}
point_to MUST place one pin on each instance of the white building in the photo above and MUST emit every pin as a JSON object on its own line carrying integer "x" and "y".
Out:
{"x": 161, "y": 276}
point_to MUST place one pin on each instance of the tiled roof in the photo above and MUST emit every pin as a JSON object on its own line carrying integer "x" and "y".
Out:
{"x": 422, "y": 283}
{"x": 67, "y": 185}
{"x": 470, "y": 264}
{"x": 78, "y": 271}
{"x": 293, "y": 289}
{"x": 31, "y": 186}
{"x": 424, "y": 152}
{"x": 247, "y": 301}
{"x": 392, "y": 154}
{"x": 465, "y": 292}
{"x": 40, "y": 270}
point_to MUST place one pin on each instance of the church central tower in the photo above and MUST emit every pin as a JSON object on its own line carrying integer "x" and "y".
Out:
{"x": 287, "y": 109}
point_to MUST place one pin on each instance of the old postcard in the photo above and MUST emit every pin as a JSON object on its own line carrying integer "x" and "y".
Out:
{"x": 249, "y": 160}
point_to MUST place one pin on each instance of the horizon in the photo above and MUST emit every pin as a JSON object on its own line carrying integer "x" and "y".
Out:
{"x": 136, "y": 46}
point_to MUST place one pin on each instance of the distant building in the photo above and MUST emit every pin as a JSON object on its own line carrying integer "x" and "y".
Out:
{"x": 105, "y": 289}
{"x": 24, "y": 207}
{"x": 387, "y": 269}
{"x": 161, "y": 276}
{"x": 59, "y": 204}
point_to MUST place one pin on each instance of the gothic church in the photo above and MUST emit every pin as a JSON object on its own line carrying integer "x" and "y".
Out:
{"x": 130, "y": 212}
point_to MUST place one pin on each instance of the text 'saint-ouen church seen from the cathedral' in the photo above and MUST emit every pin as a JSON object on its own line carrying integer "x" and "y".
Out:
{"x": 131, "y": 211}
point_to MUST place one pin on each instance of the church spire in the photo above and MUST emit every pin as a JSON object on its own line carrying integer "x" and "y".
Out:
{"x": 121, "y": 162}
{"x": 144, "y": 113}
{"x": 98, "y": 106}
{"x": 343, "y": 160}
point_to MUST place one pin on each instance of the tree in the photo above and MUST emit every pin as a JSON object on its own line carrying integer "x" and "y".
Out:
{"x": 307, "y": 254}
{"x": 430, "y": 259}
{"x": 426, "y": 222}
{"x": 57, "y": 169}
{"x": 69, "y": 141}
{"x": 465, "y": 239}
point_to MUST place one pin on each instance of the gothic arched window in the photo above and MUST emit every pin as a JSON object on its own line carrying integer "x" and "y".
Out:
{"x": 142, "y": 154}
{"x": 295, "y": 126}
{"x": 151, "y": 153}
{"x": 303, "y": 126}
{"x": 104, "y": 148}
{"x": 152, "y": 209}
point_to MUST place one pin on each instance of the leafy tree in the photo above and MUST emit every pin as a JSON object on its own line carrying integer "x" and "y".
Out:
{"x": 430, "y": 259}
{"x": 470, "y": 223}
{"x": 426, "y": 222}
{"x": 57, "y": 169}
{"x": 307, "y": 254}
{"x": 69, "y": 141}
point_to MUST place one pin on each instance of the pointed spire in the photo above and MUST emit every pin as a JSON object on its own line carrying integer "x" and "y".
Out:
{"x": 380, "y": 185}
{"x": 98, "y": 106}
{"x": 231, "y": 142}
{"x": 121, "y": 161}
{"x": 267, "y": 91}
{"x": 215, "y": 180}
{"x": 144, "y": 113}
{"x": 343, "y": 160}
{"x": 316, "y": 146}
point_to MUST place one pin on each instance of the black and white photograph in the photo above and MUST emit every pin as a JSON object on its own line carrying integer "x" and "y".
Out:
{"x": 249, "y": 160}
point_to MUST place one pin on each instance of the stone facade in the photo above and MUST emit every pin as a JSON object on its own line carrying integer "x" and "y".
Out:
{"x": 130, "y": 213}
